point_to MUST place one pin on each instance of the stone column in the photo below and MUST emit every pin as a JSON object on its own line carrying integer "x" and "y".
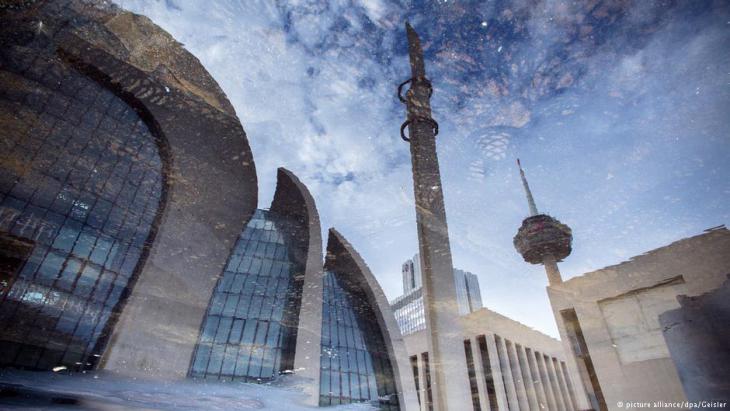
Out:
{"x": 550, "y": 369}
{"x": 519, "y": 380}
{"x": 527, "y": 377}
{"x": 509, "y": 382}
{"x": 499, "y": 387}
{"x": 547, "y": 386}
{"x": 480, "y": 374}
{"x": 540, "y": 388}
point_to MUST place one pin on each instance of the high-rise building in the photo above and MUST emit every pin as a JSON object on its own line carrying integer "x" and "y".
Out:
{"x": 408, "y": 308}
{"x": 411, "y": 274}
{"x": 467, "y": 291}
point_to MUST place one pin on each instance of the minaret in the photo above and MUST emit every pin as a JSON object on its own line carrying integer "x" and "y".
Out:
{"x": 542, "y": 239}
{"x": 447, "y": 362}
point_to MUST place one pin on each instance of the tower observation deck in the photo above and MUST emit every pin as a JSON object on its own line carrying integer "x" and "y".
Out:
{"x": 542, "y": 239}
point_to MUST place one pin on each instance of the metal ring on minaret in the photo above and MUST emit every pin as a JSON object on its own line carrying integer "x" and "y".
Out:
{"x": 400, "y": 89}
{"x": 429, "y": 120}
{"x": 423, "y": 79}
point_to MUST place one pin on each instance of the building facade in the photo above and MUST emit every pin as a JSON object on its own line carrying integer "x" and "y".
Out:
{"x": 609, "y": 319}
{"x": 101, "y": 191}
{"x": 510, "y": 366}
{"x": 129, "y": 235}
{"x": 408, "y": 308}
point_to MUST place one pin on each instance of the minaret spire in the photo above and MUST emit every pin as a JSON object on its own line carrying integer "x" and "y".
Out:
{"x": 450, "y": 384}
{"x": 530, "y": 200}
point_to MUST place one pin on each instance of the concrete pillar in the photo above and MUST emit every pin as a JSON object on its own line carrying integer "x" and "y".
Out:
{"x": 538, "y": 383}
{"x": 552, "y": 270}
{"x": 499, "y": 386}
{"x": 545, "y": 379}
{"x": 527, "y": 378}
{"x": 561, "y": 384}
{"x": 554, "y": 383}
{"x": 517, "y": 377}
{"x": 423, "y": 406}
{"x": 569, "y": 385}
{"x": 508, "y": 379}
{"x": 480, "y": 375}
{"x": 450, "y": 383}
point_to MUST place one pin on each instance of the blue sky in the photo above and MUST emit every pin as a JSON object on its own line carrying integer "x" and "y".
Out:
{"x": 620, "y": 113}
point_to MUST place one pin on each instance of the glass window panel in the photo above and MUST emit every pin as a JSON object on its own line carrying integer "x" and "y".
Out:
{"x": 103, "y": 286}
{"x": 249, "y": 331}
{"x": 211, "y": 326}
{"x": 237, "y": 284}
{"x": 261, "y": 330}
{"x": 224, "y": 328}
{"x": 101, "y": 250}
{"x": 266, "y": 267}
{"x": 324, "y": 384}
{"x": 86, "y": 281}
{"x": 67, "y": 237}
{"x": 236, "y": 331}
{"x": 201, "y": 359}
{"x": 229, "y": 361}
{"x": 50, "y": 268}
{"x": 231, "y": 302}
{"x": 254, "y": 365}
{"x": 242, "y": 361}
{"x": 272, "y": 339}
{"x": 243, "y": 305}
{"x": 216, "y": 306}
{"x": 216, "y": 359}
{"x": 267, "y": 364}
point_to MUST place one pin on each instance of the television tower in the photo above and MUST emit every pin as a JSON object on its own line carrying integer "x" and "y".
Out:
{"x": 542, "y": 239}
{"x": 446, "y": 359}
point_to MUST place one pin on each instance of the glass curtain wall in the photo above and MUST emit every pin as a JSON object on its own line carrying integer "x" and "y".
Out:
{"x": 354, "y": 361}
{"x": 81, "y": 183}
{"x": 250, "y": 324}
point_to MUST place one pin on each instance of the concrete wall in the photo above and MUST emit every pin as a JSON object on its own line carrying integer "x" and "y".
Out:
{"x": 527, "y": 369}
{"x": 698, "y": 339}
{"x": 617, "y": 309}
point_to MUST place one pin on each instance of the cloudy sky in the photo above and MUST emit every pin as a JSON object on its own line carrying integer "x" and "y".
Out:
{"x": 619, "y": 110}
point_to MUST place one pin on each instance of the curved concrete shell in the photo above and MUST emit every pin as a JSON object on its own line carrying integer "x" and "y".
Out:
{"x": 292, "y": 198}
{"x": 209, "y": 189}
{"x": 343, "y": 258}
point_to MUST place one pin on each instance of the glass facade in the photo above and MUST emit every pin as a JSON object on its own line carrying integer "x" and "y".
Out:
{"x": 408, "y": 308}
{"x": 250, "y": 327}
{"x": 355, "y": 366}
{"x": 409, "y": 312}
{"x": 80, "y": 189}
